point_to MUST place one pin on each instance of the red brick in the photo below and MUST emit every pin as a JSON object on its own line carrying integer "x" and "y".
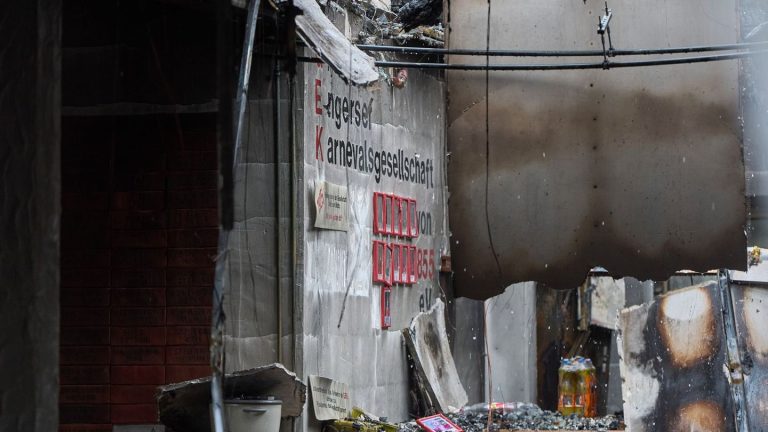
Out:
{"x": 193, "y": 180}
{"x": 133, "y": 394}
{"x": 146, "y": 181}
{"x": 92, "y": 258}
{"x": 84, "y": 297}
{"x": 84, "y": 355}
{"x": 138, "y": 297}
{"x": 137, "y": 336}
{"x": 85, "y": 428}
{"x": 208, "y": 198}
{"x": 90, "y": 277}
{"x": 189, "y": 316}
{"x": 84, "y": 374}
{"x": 73, "y": 241}
{"x": 85, "y": 230}
{"x": 138, "y": 200}
{"x": 88, "y": 394}
{"x": 82, "y": 413}
{"x": 134, "y": 414}
{"x": 84, "y": 201}
{"x": 190, "y": 296}
{"x": 140, "y": 220}
{"x": 139, "y": 257}
{"x": 139, "y": 238}
{"x": 81, "y": 225}
{"x": 202, "y": 257}
{"x": 192, "y": 160}
{"x": 189, "y": 335}
{"x": 151, "y": 355}
{"x": 193, "y": 139}
{"x": 200, "y": 237}
{"x": 84, "y": 316}
{"x": 137, "y": 374}
{"x": 84, "y": 336}
{"x": 187, "y": 355}
{"x": 137, "y": 317}
{"x": 175, "y": 374}
{"x": 190, "y": 277}
{"x": 138, "y": 278}
{"x": 193, "y": 218}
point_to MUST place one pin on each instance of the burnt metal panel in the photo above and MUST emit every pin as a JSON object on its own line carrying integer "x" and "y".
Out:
{"x": 673, "y": 359}
{"x": 639, "y": 171}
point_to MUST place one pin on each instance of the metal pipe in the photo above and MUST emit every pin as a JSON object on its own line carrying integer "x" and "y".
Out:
{"x": 735, "y": 370}
{"x": 569, "y": 66}
{"x": 560, "y": 53}
{"x": 217, "y": 323}
{"x": 245, "y": 74}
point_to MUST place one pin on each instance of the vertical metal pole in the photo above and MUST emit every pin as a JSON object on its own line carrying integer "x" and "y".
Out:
{"x": 227, "y": 166}
{"x": 245, "y": 74}
{"x": 736, "y": 374}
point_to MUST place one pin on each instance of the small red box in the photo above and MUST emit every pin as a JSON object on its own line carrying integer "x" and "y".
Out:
{"x": 438, "y": 423}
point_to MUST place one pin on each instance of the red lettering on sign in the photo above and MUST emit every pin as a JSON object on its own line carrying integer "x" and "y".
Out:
{"x": 318, "y": 146}
{"x": 431, "y": 263}
{"x": 318, "y": 110}
{"x": 394, "y": 215}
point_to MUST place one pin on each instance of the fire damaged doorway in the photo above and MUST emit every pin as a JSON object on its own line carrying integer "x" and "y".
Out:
{"x": 139, "y": 224}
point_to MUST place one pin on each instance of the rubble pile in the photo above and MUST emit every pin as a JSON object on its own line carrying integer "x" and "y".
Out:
{"x": 531, "y": 419}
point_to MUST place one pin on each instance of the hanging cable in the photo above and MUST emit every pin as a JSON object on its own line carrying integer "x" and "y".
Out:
{"x": 571, "y": 66}
{"x": 561, "y": 53}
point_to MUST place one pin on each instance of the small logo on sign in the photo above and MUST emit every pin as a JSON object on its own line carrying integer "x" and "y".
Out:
{"x": 320, "y": 198}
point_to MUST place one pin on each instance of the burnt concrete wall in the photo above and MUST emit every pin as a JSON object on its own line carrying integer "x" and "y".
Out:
{"x": 511, "y": 321}
{"x": 636, "y": 170}
{"x": 30, "y": 41}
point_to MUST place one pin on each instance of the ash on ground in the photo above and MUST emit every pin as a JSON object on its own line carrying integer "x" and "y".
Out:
{"x": 531, "y": 419}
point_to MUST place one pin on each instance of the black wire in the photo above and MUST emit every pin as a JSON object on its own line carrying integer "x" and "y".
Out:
{"x": 560, "y": 53}
{"x": 487, "y": 136}
{"x": 570, "y": 66}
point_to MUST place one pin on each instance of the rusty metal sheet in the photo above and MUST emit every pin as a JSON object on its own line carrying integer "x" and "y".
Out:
{"x": 673, "y": 355}
{"x": 639, "y": 171}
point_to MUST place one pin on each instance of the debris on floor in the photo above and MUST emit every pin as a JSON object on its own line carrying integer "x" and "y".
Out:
{"x": 526, "y": 419}
{"x": 185, "y": 406}
{"x": 360, "y": 421}
{"x": 420, "y": 12}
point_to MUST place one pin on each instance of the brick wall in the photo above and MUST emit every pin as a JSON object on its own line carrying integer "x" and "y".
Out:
{"x": 139, "y": 234}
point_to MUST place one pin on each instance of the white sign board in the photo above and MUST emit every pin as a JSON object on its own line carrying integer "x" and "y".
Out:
{"x": 331, "y": 206}
{"x": 329, "y": 398}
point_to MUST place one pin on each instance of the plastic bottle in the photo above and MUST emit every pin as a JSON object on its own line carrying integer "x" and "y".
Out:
{"x": 570, "y": 400}
{"x": 590, "y": 389}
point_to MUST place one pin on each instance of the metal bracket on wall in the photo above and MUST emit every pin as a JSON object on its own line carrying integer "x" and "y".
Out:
{"x": 735, "y": 371}
{"x": 603, "y": 27}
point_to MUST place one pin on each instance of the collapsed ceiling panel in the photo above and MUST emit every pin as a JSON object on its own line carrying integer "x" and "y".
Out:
{"x": 639, "y": 171}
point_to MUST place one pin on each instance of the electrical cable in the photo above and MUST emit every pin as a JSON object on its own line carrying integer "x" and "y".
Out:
{"x": 572, "y": 66}
{"x": 561, "y": 53}
{"x": 559, "y": 66}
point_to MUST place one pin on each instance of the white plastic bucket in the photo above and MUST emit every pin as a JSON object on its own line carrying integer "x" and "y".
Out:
{"x": 252, "y": 415}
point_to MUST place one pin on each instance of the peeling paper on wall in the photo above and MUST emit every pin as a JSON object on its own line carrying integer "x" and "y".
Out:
{"x": 332, "y": 46}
